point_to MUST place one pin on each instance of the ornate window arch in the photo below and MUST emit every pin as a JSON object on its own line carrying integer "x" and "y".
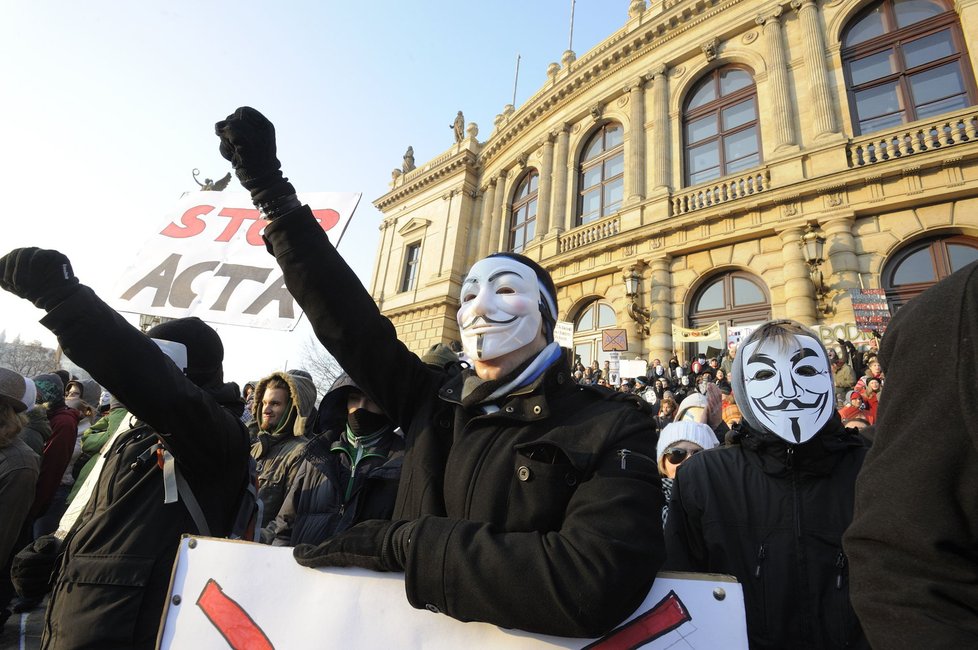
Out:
{"x": 591, "y": 319}
{"x": 732, "y": 298}
{"x": 522, "y": 222}
{"x": 601, "y": 174}
{"x": 918, "y": 266}
{"x": 905, "y": 60}
{"x": 721, "y": 131}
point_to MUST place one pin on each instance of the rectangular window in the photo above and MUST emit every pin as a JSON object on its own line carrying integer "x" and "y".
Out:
{"x": 412, "y": 255}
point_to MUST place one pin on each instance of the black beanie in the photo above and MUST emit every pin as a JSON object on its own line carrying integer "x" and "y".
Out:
{"x": 205, "y": 352}
{"x": 548, "y": 301}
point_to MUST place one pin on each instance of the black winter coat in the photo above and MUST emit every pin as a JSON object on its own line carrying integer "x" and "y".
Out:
{"x": 317, "y": 506}
{"x": 773, "y": 514}
{"x": 543, "y": 516}
{"x": 116, "y": 561}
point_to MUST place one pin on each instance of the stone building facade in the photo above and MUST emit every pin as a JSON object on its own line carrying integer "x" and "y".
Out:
{"x": 670, "y": 176}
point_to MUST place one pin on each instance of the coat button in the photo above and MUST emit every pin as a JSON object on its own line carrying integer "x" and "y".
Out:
{"x": 537, "y": 409}
{"x": 523, "y": 473}
{"x": 509, "y": 409}
{"x": 560, "y": 378}
{"x": 449, "y": 391}
{"x": 571, "y": 479}
{"x": 431, "y": 608}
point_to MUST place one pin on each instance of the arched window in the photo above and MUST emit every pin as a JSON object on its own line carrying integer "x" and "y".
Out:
{"x": 595, "y": 317}
{"x": 522, "y": 225}
{"x": 919, "y": 266}
{"x": 601, "y": 174}
{"x": 905, "y": 60}
{"x": 721, "y": 134}
{"x": 735, "y": 299}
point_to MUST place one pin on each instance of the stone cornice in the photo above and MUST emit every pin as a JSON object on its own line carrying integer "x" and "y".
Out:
{"x": 431, "y": 172}
{"x": 623, "y": 48}
{"x": 414, "y": 307}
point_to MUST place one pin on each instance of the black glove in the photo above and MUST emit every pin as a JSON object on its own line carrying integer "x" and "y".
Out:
{"x": 31, "y": 569}
{"x": 377, "y": 544}
{"x": 44, "y": 277}
{"x": 248, "y": 141}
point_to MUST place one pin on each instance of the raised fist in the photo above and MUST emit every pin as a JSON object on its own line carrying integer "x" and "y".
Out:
{"x": 42, "y": 276}
{"x": 248, "y": 142}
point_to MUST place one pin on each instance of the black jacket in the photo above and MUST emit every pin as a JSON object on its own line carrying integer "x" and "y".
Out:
{"x": 322, "y": 501}
{"x": 773, "y": 514}
{"x": 914, "y": 537}
{"x": 543, "y": 516}
{"x": 117, "y": 559}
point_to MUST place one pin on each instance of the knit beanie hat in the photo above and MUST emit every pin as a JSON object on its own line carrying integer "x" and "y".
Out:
{"x": 694, "y": 432}
{"x": 695, "y": 401}
{"x": 205, "y": 352}
{"x": 16, "y": 391}
{"x": 49, "y": 388}
{"x": 548, "y": 291}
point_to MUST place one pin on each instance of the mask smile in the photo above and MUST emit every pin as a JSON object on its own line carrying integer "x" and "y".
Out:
{"x": 486, "y": 323}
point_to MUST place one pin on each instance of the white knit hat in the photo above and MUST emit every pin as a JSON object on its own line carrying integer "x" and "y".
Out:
{"x": 16, "y": 390}
{"x": 694, "y": 432}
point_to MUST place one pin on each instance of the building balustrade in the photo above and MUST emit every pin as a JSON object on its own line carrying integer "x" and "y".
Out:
{"x": 721, "y": 191}
{"x": 590, "y": 233}
{"x": 906, "y": 141}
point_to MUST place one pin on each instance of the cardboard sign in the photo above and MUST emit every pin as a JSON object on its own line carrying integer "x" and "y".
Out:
{"x": 230, "y": 594}
{"x": 564, "y": 334}
{"x": 209, "y": 260}
{"x": 632, "y": 368}
{"x": 614, "y": 340}
{"x": 871, "y": 309}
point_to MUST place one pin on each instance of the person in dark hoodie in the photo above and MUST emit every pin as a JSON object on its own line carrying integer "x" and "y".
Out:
{"x": 771, "y": 508}
{"x": 913, "y": 541}
{"x": 349, "y": 472}
{"x": 113, "y": 570}
{"x": 526, "y": 500}
{"x": 284, "y": 409}
{"x": 58, "y": 449}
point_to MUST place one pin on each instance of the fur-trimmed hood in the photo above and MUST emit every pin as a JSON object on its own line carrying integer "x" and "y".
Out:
{"x": 302, "y": 391}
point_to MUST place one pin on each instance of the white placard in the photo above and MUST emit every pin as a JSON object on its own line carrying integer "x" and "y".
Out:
{"x": 564, "y": 334}
{"x": 208, "y": 260}
{"x": 632, "y": 368}
{"x": 231, "y": 594}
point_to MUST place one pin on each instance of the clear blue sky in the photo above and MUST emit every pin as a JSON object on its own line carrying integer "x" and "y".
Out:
{"x": 108, "y": 106}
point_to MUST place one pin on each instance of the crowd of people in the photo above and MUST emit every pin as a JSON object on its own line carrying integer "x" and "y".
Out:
{"x": 458, "y": 470}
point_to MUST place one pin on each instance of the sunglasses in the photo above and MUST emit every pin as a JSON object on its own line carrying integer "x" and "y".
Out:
{"x": 678, "y": 455}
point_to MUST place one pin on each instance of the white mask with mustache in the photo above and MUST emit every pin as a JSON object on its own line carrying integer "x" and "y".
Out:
{"x": 500, "y": 309}
{"x": 790, "y": 391}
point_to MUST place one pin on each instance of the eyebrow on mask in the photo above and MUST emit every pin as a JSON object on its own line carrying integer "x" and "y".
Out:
{"x": 803, "y": 353}
{"x": 499, "y": 274}
{"x": 759, "y": 357}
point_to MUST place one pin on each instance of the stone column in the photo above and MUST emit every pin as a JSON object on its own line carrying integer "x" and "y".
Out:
{"x": 544, "y": 189}
{"x": 561, "y": 219}
{"x": 660, "y": 129}
{"x": 635, "y": 165}
{"x": 485, "y": 227}
{"x": 799, "y": 292}
{"x": 783, "y": 115}
{"x": 660, "y": 303}
{"x": 843, "y": 266}
{"x": 824, "y": 111}
{"x": 498, "y": 215}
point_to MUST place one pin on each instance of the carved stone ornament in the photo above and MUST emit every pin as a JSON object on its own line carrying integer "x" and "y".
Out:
{"x": 710, "y": 48}
{"x": 596, "y": 111}
{"x": 552, "y": 71}
{"x": 678, "y": 71}
{"x": 768, "y": 16}
{"x": 789, "y": 210}
{"x": 472, "y": 130}
{"x": 622, "y": 101}
{"x": 749, "y": 37}
{"x": 522, "y": 159}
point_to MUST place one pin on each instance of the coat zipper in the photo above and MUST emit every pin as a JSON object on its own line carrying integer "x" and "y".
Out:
{"x": 625, "y": 453}
{"x": 761, "y": 555}
{"x": 840, "y": 564}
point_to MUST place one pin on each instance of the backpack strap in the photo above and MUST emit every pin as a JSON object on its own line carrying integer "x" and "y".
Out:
{"x": 175, "y": 487}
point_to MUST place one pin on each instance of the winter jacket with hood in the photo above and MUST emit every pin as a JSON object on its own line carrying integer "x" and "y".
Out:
{"x": 773, "y": 514}
{"x": 116, "y": 561}
{"x": 339, "y": 483}
{"x": 56, "y": 457}
{"x": 543, "y": 515}
{"x": 913, "y": 542}
{"x": 38, "y": 429}
{"x": 278, "y": 452}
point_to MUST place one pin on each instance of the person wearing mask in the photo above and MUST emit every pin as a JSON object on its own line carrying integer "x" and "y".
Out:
{"x": 509, "y": 466}
{"x": 348, "y": 474}
{"x": 284, "y": 408}
{"x": 771, "y": 507}
{"x": 112, "y": 570}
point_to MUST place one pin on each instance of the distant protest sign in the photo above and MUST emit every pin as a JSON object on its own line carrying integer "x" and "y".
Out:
{"x": 208, "y": 260}
{"x": 872, "y": 312}
{"x": 231, "y": 594}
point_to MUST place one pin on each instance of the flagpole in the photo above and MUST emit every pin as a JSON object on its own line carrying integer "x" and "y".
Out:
{"x": 517, "y": 79}
{"x": 570, "y": 37}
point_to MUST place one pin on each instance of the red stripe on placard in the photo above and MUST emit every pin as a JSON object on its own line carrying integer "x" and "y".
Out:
{"x": 231, "y": 620}
{"x": 668, "y": 614}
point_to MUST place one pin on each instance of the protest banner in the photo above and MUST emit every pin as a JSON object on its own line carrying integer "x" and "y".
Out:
{"x": 688, "y": 335}
{"x": 231, "y": 594}
{"x": 871, "y": 309}
{"x": 632, "y": 368}
{"x": 208, "y": 260}
{"x": 564, "y": 334}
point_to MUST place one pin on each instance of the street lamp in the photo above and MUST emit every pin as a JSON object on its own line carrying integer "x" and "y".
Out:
{"x": 813, "y": 246}
{"x": 633, "y": 288}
